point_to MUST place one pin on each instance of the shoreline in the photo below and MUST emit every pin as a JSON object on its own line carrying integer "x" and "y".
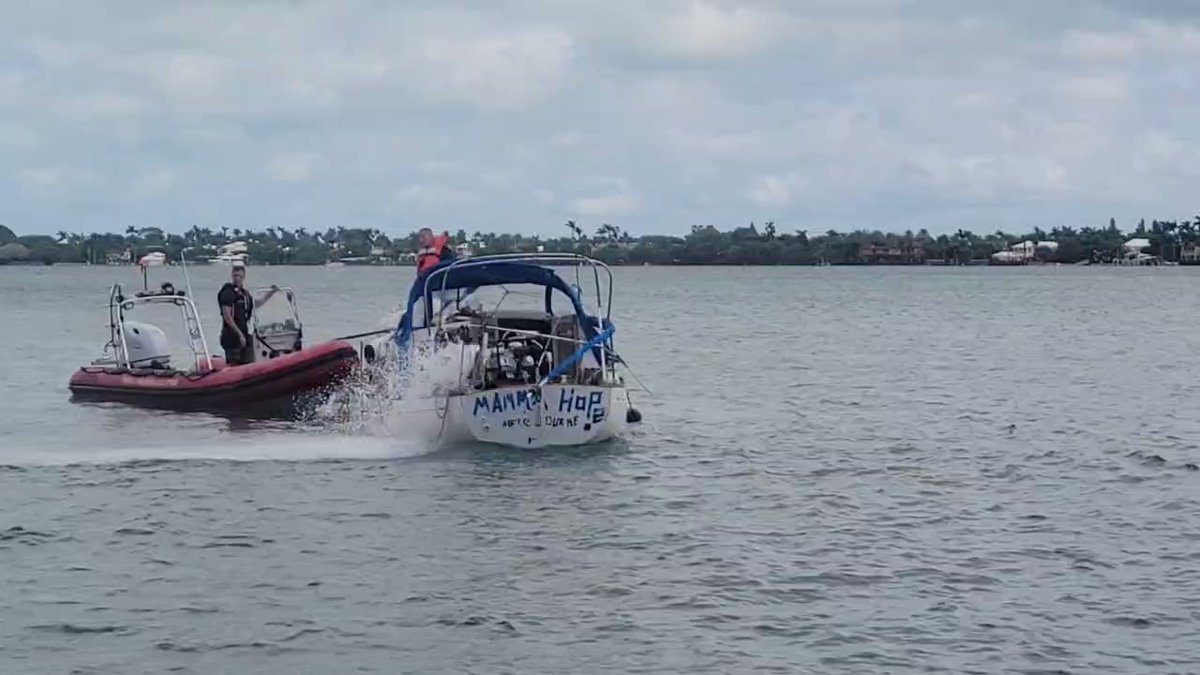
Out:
{"x": 938, "y": 264}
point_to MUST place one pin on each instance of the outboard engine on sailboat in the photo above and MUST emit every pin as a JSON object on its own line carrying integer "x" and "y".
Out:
{"x": 527, "y": 361}
{"x": 147, "y": 345}
{"x": 503, "y": 363}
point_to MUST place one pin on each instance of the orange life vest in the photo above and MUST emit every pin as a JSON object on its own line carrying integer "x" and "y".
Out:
{"x": 430, "y": 255}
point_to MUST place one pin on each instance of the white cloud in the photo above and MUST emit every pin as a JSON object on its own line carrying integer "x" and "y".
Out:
{"x": 1093, "y": 46}
{"x": 1158, "y": 145}
{"x": 112, "y": 105}
{"x": 567, "y": 140}
{"x": 775, "y": 190}
{"x": 423, "y": 194}
{"x": 498, "y": 71}
{"x": 605, "y": 206}
{"x": 1135, "y": 40}
{"x": 11, "y": 85}
{"x": 496, "y": 179}
{"x": 157, "y": 180}
{"x": 975, "y": 100}
{"x": 705, "y": 30}
{"x": 191, "y": 76}
{"x": 1097, "y": 89}
{"x": 1172, "y": 38}
{"x": 291, "y": 167}
{"x": 990, "y": 176}
{"x": 40, "y": 177}
{"x": 17, "y": 137}
{"x": 543, "y": 197}
{"x": 729, "y": 145}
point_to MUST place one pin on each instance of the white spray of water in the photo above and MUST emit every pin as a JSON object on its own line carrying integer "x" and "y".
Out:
{"x": 385, "y": 400}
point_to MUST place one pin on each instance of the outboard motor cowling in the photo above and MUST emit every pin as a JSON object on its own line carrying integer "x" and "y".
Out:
{"x": 146, "y": 344}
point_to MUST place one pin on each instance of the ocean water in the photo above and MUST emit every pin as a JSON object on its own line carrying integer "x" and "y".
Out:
{"x": 840, "y": 470}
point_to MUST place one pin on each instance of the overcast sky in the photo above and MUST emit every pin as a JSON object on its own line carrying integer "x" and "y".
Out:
{"x": 515, "y": 115}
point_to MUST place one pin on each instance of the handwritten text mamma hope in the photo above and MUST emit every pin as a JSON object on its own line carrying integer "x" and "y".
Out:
{"x": 570, "y": 408}
{"x": 522, "y": 400}
{"x": 590, "y": 405}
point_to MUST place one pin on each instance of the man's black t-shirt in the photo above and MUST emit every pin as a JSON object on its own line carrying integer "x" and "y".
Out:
{"x": 243, "y": 306}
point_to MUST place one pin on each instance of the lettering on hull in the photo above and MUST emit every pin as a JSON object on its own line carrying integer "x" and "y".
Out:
{"x": 490, "y": 403}
{"x": 518, "y": 408}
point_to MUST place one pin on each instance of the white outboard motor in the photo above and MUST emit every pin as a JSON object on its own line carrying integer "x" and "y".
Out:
{"x": 147, "y": 345}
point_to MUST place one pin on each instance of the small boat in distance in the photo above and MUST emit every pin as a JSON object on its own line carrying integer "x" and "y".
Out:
{"x": 232, "y": 259}
{"x": 137, "y": 365}
{"x": 235, "y": 253}
{"x": 527, "y": 378}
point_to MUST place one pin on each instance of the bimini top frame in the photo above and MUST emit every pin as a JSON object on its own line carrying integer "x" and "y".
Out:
{"x": 469, "y": 274}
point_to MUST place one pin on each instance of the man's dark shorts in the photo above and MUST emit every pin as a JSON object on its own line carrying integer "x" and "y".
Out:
{"x": 239, "y": 356}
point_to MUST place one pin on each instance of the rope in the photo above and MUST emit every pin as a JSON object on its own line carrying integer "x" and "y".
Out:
{"x": 381, "y": 331}
{"x": 635, "y": 377}
{"x": 271, "y": 351}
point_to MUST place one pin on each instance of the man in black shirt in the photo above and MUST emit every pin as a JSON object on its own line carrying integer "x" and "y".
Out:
{"x": 237, "y": 306}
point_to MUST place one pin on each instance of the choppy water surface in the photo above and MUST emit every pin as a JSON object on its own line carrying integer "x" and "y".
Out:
{"x": 841, "y": 471}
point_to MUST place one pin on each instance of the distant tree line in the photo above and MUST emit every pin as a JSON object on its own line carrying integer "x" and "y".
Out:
{"x": 703, "y": 245}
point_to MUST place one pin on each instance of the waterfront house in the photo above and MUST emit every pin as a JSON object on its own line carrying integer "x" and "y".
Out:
{"x": 880, "y": 254}
{"x": 1189, "y": 254}
{"x": 118, "y": 257}
{"x": 1024, "y": 253}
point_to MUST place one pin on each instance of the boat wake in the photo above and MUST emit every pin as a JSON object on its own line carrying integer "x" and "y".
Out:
{"x": 237, "y": 447}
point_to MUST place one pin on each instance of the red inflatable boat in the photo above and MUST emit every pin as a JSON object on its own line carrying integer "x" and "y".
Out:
{"x": 274, "y": 385}
{"x": 137, "y": 366}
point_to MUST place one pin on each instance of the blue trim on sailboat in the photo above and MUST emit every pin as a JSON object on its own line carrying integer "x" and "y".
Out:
{"x": 597, "y": 341}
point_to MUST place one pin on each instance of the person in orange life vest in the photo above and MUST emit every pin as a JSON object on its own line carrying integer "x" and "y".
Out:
{"x": 433, "y": 249}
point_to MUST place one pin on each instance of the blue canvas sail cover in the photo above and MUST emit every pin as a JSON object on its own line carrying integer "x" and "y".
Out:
{"x": 453, "y": 275}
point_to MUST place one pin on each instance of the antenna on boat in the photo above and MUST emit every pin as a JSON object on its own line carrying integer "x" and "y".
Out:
{"x": 195, "y": 318}
{"x": 187, "y": 279}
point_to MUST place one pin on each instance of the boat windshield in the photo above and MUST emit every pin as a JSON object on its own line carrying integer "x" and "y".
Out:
{"x": 277, "y": 311}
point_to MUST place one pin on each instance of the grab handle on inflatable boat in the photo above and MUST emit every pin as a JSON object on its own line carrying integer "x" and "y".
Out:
{"x": 561, "y": 368}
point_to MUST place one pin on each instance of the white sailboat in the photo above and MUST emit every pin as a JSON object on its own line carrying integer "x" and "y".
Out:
{"x": 527, "y": 378}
